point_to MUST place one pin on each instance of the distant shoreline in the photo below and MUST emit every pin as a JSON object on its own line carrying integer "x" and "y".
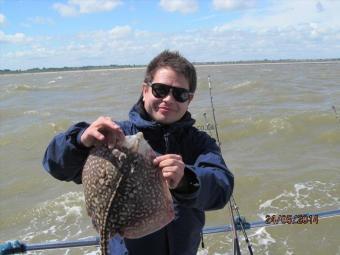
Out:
{"x": 197, "y": 64}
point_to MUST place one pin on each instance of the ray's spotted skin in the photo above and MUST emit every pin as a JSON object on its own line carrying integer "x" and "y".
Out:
{"x": 124, "y": 192}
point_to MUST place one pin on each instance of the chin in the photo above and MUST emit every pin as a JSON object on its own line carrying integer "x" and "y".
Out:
{"x": 165, "y": 119}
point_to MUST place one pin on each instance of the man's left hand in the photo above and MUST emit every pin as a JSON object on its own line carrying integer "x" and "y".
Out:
{"x": 172, "y": 167}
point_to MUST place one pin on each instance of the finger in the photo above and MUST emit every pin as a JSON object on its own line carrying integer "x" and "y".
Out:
{"x": 116, "y": 134}
{"x": 111, "y": 131}
{"x": 105, "y": 123}
{"x": 173, "y": 172}
{"x": 120, "y": 136}
{"x": 108, "y": 126}
{"x": 170, "y": 169}
{"x": 171, "y": 163}
{"x": 111, "y": 140}
{"x": 161, "y": 158}
{"x": 97, "y": 135}
{"x": 170, "y": 156}
{"x": 170, "y": 181}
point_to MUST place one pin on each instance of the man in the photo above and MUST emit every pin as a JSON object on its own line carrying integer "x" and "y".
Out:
{"x": 190, "y": 160}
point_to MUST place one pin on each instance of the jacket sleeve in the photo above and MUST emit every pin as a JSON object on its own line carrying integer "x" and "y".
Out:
{"x": 65, "y": 156}
{"x": 209, "y": 182}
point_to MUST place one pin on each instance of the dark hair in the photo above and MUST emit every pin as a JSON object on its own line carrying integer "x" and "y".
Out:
{"x": 176, "y": 62}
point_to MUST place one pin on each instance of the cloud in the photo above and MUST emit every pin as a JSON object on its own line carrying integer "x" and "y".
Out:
{"x": 228, "y": 5}
{"x": 117, "y": 33}
{"x": 2, "y": 19}
{"x": 120, "y": 31}
{"x": 14, "y": 38}
{"x": 35, "y": 53}
{"x": 126, "y": 45}
{"x": 183, "y": 6}
{"x": 66, "y": 9}
{"x": 38, "y": 20}
{"x": 285, "y": 14}
{"x": 284, "y": 30}
{"x": 76, "y": 7}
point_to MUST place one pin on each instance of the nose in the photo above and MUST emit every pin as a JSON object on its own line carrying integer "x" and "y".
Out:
{"x": 169, "y": 97}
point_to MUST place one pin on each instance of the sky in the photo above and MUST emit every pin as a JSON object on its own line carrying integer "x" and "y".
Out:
{"x": 58, "y": 33}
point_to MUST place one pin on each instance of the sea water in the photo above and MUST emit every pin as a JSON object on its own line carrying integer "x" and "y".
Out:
{"x": 279, "y": 128}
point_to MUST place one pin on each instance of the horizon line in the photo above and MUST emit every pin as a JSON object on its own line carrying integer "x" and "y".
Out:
{"x": 198, "y": 63}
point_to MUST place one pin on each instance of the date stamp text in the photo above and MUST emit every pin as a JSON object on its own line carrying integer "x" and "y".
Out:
{"x": 292, "y": 219}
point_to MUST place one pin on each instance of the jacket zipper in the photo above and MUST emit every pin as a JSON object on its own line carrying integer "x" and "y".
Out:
{"x": 166, "y": 140}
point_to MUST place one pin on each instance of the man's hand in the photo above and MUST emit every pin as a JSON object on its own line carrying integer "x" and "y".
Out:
{"x": 102, "y": 131}
{"x": 172, "y": 167}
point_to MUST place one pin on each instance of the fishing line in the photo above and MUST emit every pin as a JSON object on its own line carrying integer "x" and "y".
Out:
{"x": 232, "y": 202}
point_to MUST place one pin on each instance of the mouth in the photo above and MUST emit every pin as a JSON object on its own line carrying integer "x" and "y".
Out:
{"x": 164, "y": 109}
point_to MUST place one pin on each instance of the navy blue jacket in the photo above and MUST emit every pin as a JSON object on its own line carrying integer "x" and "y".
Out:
{"x": 208, "y": 184}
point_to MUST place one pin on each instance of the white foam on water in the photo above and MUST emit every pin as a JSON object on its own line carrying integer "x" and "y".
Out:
{"x": 14, "y": 88}
{"x": 206, "y": 252}
{"x": 288, "y": 252}
{"x": 60, "y": 219}
{"x": 23, "y": 87}
{"x": 31, "y": 112}
{"x": 92, "y": 253}
{"x": 203, "y": 252}
{"x": 244, "y": 84}
{"x": 269, "y": 203}
{"x": 263, "y": 238}
{"x": 56, "y": 127}
{"x": 260, "y": 240}
{"x": 311, "y": 194}
{"x": 279, "y": 124}
{"x": 36, "y": 112}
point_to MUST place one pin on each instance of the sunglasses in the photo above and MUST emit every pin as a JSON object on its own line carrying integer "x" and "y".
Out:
{"x": 160, "y": 90}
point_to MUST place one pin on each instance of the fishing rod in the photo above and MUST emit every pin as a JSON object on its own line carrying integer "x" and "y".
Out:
{"x": 232, "y": 203}
{"x": 207, "y": 124}
{"x": 213, "y": 112}
{"x": 12, "y": 247}
{"x": 336, "y": 113}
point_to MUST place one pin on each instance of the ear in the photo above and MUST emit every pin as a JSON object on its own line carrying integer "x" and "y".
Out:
{"x": 144, "y": 89}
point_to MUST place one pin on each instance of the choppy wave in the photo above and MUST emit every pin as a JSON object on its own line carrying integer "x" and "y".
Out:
{"x": 25, "y": 87}
{"x": 304, "y": 197}
{"x": 312, "y": 195}
{"x": 51, "y": 85}
{"x": 37, "y": 112}
{"x": 261, "y": 240}
{"x": 242, "y": 85}
{"x": 320, "y": 127}
{"x": 63, "y": 218}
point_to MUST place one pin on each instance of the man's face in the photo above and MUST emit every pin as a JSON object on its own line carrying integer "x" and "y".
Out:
{"x": 166, "y": 110}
